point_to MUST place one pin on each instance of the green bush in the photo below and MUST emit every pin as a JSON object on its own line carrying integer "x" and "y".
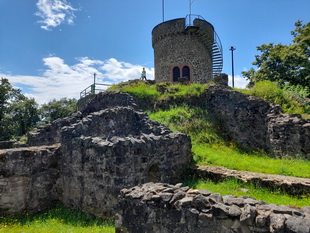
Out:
{"x": 292, "y": 99}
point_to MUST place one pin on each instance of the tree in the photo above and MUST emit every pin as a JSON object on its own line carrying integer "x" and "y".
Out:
{"x": 17, "y": 112}
{"x": 284, "y": 63}
{"x": 24, "y": 114}
{"x": 57, "y": 109}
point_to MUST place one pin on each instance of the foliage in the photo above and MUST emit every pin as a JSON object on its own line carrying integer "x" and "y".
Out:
{"x": 18, "y": 113}
{"x": 55, "y": 109}
{"x": 284, "y": 63}
{"x": 292, "y": 99}
{"x": 191, "y": 121}
{"x": 235, "y": 187}
{"x": 210, "y": 148}
{"x": 208, "y": 145}
{"x": 57, "y": 219}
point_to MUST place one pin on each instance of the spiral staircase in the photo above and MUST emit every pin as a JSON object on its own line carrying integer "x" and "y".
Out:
{"x": 214, "y": 44}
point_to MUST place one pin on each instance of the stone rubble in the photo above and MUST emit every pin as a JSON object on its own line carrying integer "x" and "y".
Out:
{"x": 165, "y": 208}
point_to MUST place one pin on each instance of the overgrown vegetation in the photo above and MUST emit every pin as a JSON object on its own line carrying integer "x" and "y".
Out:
{"x": 211, "y": 149}
{"x": 209, "y": 146}
{"x": 55, "y": 220}
{"x": 292, "y": 99}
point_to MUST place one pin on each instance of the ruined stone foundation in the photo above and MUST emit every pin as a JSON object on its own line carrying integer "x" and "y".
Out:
{"x": 91, "y": 156}
{"x": 165, "y": 208}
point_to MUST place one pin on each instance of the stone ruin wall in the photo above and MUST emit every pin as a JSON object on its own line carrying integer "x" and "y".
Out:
{"x": 108, "y": 146}
{"x": 257, "y": 124}
{"x": 90, "y": 166}
{"x": 116, "y": 148}
{"x": 27, "y": 178}
{"x": 165, "y": 208}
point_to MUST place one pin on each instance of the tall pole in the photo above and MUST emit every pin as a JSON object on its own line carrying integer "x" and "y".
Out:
{"x": 95, "y": 78}
{"x": 190, "y": 11}
{"x": 163, "y": 9}
{"x": 190, "y": 6}
{"x": 232, "y": 49}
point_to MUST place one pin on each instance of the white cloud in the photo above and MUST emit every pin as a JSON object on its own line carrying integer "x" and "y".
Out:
{"x": 239, "y": 81}
{"x": 54, "y": 13}
{"x": 62, "y": 80}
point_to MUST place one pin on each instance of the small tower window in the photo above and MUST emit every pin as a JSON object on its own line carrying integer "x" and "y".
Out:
{"x": 186, "y": 73}
{"x": 176, "y": 74}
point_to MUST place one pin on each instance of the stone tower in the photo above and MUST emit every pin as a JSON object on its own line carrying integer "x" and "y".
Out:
{"x": 186, "y": 49}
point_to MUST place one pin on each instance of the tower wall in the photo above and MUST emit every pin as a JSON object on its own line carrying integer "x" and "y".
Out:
{"x": 177, "y": 46}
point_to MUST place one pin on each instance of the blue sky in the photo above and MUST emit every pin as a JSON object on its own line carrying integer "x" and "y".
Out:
{"x": 51, "y": 48}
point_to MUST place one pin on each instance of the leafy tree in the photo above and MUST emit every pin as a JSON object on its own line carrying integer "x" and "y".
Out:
{"x": 24, "y": 113}
{"x": 284, "y": 63}
{"x": 57, "y": 109}
{"x": 17, "y": 112}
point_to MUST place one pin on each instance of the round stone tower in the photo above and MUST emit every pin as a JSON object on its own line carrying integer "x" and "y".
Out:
{"x": 186, "y": 50}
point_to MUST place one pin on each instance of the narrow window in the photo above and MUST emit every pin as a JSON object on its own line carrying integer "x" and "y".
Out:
{"x": 176, "y": 74}
{"x": 186, "y": 73}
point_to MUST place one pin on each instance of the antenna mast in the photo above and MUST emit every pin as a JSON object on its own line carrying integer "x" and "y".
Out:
{"x": 190, "y": 6}
{"x": 190, "y": 11}
{"x": 163, "y": 9}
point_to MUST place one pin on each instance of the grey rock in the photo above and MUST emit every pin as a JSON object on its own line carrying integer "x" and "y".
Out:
{"x": 234, "y": 211}
{"x": 248, "y": 215}
{"x": 276, "y": 222}
{"x": 298, "y": 225}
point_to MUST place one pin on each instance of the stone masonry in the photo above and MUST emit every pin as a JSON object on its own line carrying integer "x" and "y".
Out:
{"x": 107, "y": 146}
{"x": 165, "y": 208}
{"x": 257, "y": 124}
{"x": 116, "y": 148}
{"x": 175, "y": 47}
{"x": 110, "y": 145}
{"x": 27, "y": 178}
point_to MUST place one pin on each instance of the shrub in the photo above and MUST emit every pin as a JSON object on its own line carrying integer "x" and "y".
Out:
{"x": 292, "y": 99}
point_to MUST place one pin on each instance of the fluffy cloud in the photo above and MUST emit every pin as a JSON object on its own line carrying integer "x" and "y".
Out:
{"x": 239, "y": 81}
{"x": 54, "y": 13}
{"x": 62, "y": 80}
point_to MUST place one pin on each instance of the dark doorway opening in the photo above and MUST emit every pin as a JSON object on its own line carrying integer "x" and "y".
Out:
{"x": 176, "y": 74}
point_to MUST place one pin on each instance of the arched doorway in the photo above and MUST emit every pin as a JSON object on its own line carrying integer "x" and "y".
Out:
{"x": 186, "y": 73}
{"x": 176, "y": 74}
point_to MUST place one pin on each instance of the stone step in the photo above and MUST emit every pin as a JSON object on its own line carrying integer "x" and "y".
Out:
{"x": 292, "y": 185}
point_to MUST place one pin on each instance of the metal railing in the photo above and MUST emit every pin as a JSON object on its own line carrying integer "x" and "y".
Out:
{"x": 217, "y": 50}
{"x": 93, "y": 89}
{"x": 189, "y": 19}
{"x": 217, "y": 55}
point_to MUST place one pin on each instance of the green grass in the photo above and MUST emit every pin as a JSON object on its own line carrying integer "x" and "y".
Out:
{"x": 234, "y": 187}
{"x": 152, "y": 93}
{"x": 211, "y": 149}
{"x": 138, "y": 89}
{"x": 55, "y": 220}
{"x": 231, "y": 157}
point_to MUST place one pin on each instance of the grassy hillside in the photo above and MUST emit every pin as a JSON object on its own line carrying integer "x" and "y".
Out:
{"x": 179, "y": 107}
